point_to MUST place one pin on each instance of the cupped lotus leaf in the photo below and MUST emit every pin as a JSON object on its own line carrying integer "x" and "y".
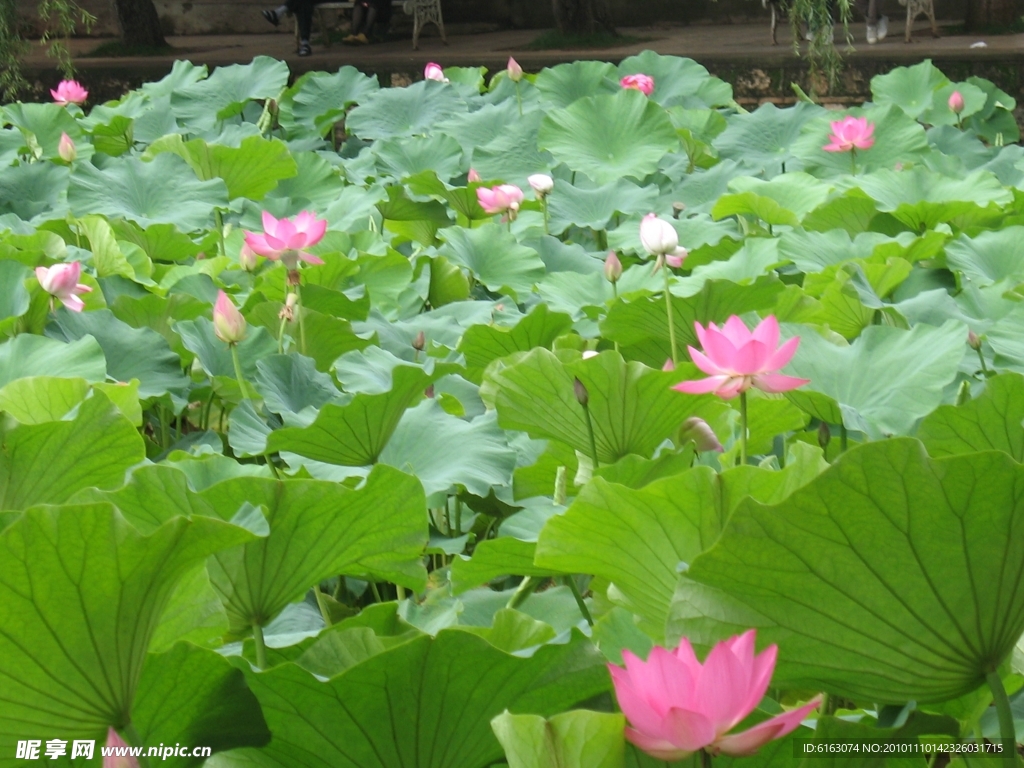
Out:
{"x": 786, "y": 199}
{"x": 989, "y": 257}
{"x": 514, "y": 156}
{"x": 482, "y": 126}
{"x": 594, "y": 208}
{"x": 632, "y": 407}
{"x": 412, "y": 111}
{"x": 28, "y": 355}
{"x": 194, "y": 614}
{"x": 318, "y": 529}
{"x": 576, "y": 739}
{"x": 940, "y": 114}
{"x": 200, "y": 105}
{"x": 483, "y": 343}
{"x": 623, "y": 135}
{"x": 883, "y": 382}
{"x": 426, "y": 703}
{"x": 162, "y": 191}
{"x": 41, "y": 125}
{"x": 292, "y": 386}
{"x": 34, "y": 190}
{"x": 504, "y": 556}
{"x": 563, "y": 84}
{"x": 995, "y": 122}
{"x": 909, "y": 88}
{"x": 494, "y": 257}
{"x": 14, "y": 297}
{"x": 71, "y": 663}
{"x": 402, "y": 157}
{"x": 215, "y": 356}
{"x": 993, "y": 421}
{"x": 763, "y": 139}
{"x": 319, "y": 99}
{"x": 678, "y": 81}
{"x": 39, "y": 399}
{"x": 48, "y": 463}
{"x": 890, "y": 577}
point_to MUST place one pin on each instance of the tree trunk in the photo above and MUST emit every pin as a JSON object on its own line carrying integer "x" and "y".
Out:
{"x": 583, "y": 17}
{"x": 139, "y": 24}
{"x": 992, "y": 14}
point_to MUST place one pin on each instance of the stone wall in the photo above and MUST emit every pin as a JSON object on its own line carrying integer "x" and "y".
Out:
{"x": 242, "y": 16}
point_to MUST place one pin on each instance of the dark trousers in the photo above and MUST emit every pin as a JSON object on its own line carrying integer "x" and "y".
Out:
{"x": 303, "y": 12}
{"x": 868, "y": 9}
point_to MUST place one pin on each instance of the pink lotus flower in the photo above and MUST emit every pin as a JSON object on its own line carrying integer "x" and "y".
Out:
{"x": 500, "y": 199}
{"x": 849, "y": 134}
{"x": 677, "y": 258}
{"x": 612, "y": 267}
{"x": 473, "y": 175}
{"x": 642, "y": 83}
{"x": 247, "y": 258}
{"x": 433, "y": 71}
{"x": 118, "y": 761}
{"x": 69, "y": 92}
{"x": 698, "y": 430}
{"x": 285, "y": 239}
{"x": 736, "y": 359}
{"x": 66, "y": 149}
{"x": 515, "y": 72}
{"x": 541, "y": 184}
{"x": 228, "y": 323}
{"x": 61, "y": 280}
{"x": 956, "y": 102}
{"x": 676, "y": 705}
{"x": 659, "y": 238}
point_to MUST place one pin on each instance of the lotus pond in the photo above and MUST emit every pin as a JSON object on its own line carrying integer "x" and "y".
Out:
{"x": 367, "y": 427}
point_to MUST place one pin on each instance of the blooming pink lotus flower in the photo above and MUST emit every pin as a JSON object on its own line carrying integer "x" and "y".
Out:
{"x": 849, "y": 134}
{"x": 285, "y": 239}
{"x": 228, "y": 323}
{"x": 433, "y": 71}
{"x": 500, "y": 199}
{"x": 69, "y": 92}
{"x": 515, "y": 72}
{"x": 642, "y": 83}
{"x": 736, "y": 359}
{"x": 956, "y": 102}
{"x": 66, "y": 149}
{"x": 118, "y": 761}
{"x": 541, "y": 184}
{"x": 61, "y": 280}
{"x": 676, "y": 705}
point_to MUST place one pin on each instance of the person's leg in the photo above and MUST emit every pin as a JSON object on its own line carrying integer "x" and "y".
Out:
{"x": 303, "y": 10}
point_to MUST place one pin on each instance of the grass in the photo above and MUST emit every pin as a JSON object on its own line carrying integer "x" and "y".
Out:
{"x": 116, "y": 49}
{"x": 552, "y": 39}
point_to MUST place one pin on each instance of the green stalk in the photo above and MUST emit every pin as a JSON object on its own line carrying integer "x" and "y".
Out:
{"x": 400, "y": 592}
{"x": 853, "y": 161}
{"x": 322, "y": 605}
{"x": 743, "y": 428}
{"x": 302, "y": 321}
{"x": 136, "y": 741}
{"x": 261, "y": 646}
{"x": 668, "y": 310}
{"x": 705, "y": 759}
{"x": 280, "y": 335}
{"x": 458, "y": 516}
{"x": 981, "y": 357}
{"x": 570, "y": 582}
{"x": 376, "y": 592}
{"x": 544, "y": 204}
{"x": 526, "y": 588}
{"x": 238, "y": 372}
{"x": 219, "y": 218}
{"x": 1006, "y": 729}
{"x": 590, "y": 434}
{"x": 842, "y": 438}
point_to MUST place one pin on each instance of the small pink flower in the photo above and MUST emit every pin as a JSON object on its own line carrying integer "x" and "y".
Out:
{"x": 612, "y": 268}
{"x": 472, "y": 175}
{"x": 676, "y": 259}
{"x": 515, "y": 72}
{"x": 66, "y": 149}
{"x": 642, "y": 83}
{"x": 676, "y": 705}
{"x": 698, "y": 430}
{"x": 123, "y": 760}
{"x": 285, "y": 239}
{"x": 659, "y": 238}
{"x": 61, "y": 280}
{"x": 669, "y": 365}
{"x": 433, "y": 71}
{"x": 500, "y": 199}
{"x": 228, "y": 323}
{"x": 69, "y": 92}
{"x": 247, "y": 258}
{"x": 850, "y": 133}
{"x": 956, "y": 102}
{"x": 736, "y": 359}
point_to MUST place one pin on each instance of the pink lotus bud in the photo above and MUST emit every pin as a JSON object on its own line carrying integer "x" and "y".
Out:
{"x": 500, "y": 199}
{"x": 66, "y": 149}
{"x": 118, "y": 761}
{"x": 228, "y": 323}
{"x": 642, "y": 83}
{"x": 420, "y": 342}
{"x": 657, "y": 236}
{"x": 61, "y": 280}
{"x": 247, "y": 258}
{"x": 69, "y": 92}
{"x": 669, "y": 365}
{"x": 973, "y": 340}
{"x": 541, "y": 184}
{"x": 433, "y": 71}
{"x": 515, "y": 72}
{"x": 675, "y": 259}
{"x": 697, "y": 430}
{"x": 956, "y": 102}
{"x": 580, "y": 390}
{"x": 824, "y": 435}
{"x": 472, "y": 175}
{"x": 612, "y": 268}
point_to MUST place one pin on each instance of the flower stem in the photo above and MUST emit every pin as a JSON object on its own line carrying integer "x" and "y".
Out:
{"x": 458, "y": 516}
{"x": 519, "y": 100}
{"x": 136, "y": 741}
{"x": 526, "y": 588}
{"x": 705, "y": 759}
{"x": 219, "y": 218}
{"x": 590, "y": 434}
{"x": 280, "y": 336}
{"x": 238, "y": 372}
{"x": 1006, "y": 728}
{"x": 544, "y": 204}
{"x": 302, "y": 321}
{"x": 400, "y": 591}
{"x": 570, "y": 581}
{"x": 743, "y": 428}
{"x": 261, "y": 646}
{"x": 981, "y": 357}
{"x": 671, "y": 321}
{"x": 853, "y": 161}
{"x": 376, "y": 592}
{"x": 322, "y": 605}
{"x": 842, "y": 438}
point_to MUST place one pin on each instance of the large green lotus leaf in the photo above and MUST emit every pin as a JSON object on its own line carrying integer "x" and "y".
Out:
{"x": 411, "y": 111}
{"x": 34, "y": 190}
{"x": 482, "y": 126}
{"x": 131, "y": 353}
{"x": 564, "y": 84}
{"x": 215, "y": 356}
{"x": 576, "y": 739}
{"x": 318, "y": 100}
{"x": 14, "y": 297}
{"x": 292, "y": 387}
{"x": 989, "y": 257}
{"x": 161, "y": 242}
{"x": 442, "y": 450}
{"x": 898, "y": 139}
{"x": 991, "y": 422}
{"x": 504, "y": 556}
{"x": 107, "y": 257}
{"x": 939, "y": 112}
{"x": 318, "y": 529}
{"x": 42, "y": 125}
{"x": 71, "y": 662}
{"x": 48, "y": 463}
{"x": 402, "y": 157}
{"x": 39, "y": 399}
{"x": 921, "y": 198}
{"x": 28, "y": 355}
{"x": 890, "y": 577}
{"x": 194, "y": 614}
{"x": 317, "y": 185}
{"x": 191, "y": 695}
{"x": 796, "y": 194}
{"x": 327, "y": 338}
{"x": 354, "y": 434}
{"x": 200, "y": 105}
{"x": 883, "y": 382}
{"x": 909, "y": 88}
{"x": 995, "y": 122}
{"x": 594, "y": 208}
{"x": 678, "y": 81}
{"x": 250, "y": 170}
{"x": 426, "y": 703}
{"x": 633, "y": 407}
{"x": 513, "y": 157}
{"x": 763, "y": 139}
{"x": 162, "y": 191}
{"x": 641, "y": 539}
{"x": 815, "y": 251}
{"x": 494, "y": 257}
{"x": 483, "y": 343}
{"x": 609, "y": 137}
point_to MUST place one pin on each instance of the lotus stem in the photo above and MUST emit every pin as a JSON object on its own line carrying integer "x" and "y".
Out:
{"x": 136, "y": 741}
{"x": 219, "y": 218}
{"x": 981, "y": 357}
{"x": 302, "y": 321}
{"x": 400, "y": 591}
{"x": 376, "y": 592}
{"x": 544, "y": 205}
{"x": 668, "y": 311}
{"x": 458, "y": 516}
{"x": 743, "y": 428}
{"x": 570, "y": 582}
{"x": 853, "y": 161}
{"x": 705, "y": 759}
{"x": 590, "y": 435}
{"x": 322, "y": 605}
{"x": 238, "y": 372}
{"x": 280, "y": 336}
{"x": 842, "y": 438}
{"x": 1007, "y": 732}
{"x": 526, "y": 588}
{"x": 261, "y": 646}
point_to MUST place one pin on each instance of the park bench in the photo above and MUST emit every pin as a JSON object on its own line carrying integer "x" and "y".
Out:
{"x": 423, "y": 12}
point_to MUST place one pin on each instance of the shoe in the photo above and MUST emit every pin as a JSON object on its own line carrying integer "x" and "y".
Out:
{"x": 272, "y": 17}
{"x": 361, "y": 39}
{"x": 872, "y": 34}
{"x": 305, "y": 50}
{"x": 883, "y": 28}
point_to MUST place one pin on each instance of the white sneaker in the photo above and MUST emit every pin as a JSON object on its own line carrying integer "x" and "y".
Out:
{"x": 883, "y": 28}
{"x": 872, "y": 34}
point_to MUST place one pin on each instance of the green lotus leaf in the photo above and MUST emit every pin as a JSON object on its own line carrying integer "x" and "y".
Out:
{"x": 319, "y": 99}
{"x": 989, "y": 257}
{"x": 200, "y": 104}
{"x": 564, "y": 84}
{"x": 678, "y": 81}
{"x": 411, "y": 111}
{"x": 483, "y": 343}
{"x": 514, "y": 155}
{"x": 402, "y": 157}
{"x": 594, "y": 208}
{"x": 939, "y": 112}
{"x": 28, "y": 355}
{"x": 786, "y": 199}
{"x": 215, "y": 356}
{"x": 41, "y": 125}
{"x": 764, "y": 138}
{"x": 504, "y": 556}
{"x": 576, "y": 739}
{"x": 991, "y": 422}
{"x": 34, "y": 191}
{"x": 909, "y": 88}
{"x": 494, "y": 257}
